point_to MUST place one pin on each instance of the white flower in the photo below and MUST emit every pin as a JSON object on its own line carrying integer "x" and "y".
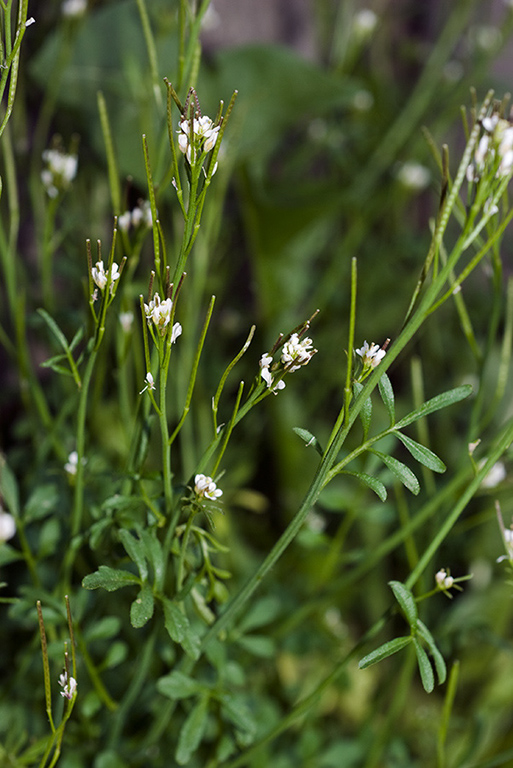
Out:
{"x": 371, "y": 355}
{"x": 101, "y": 277}
{"x": 296, "y": 353}
{"x": 364, "y": 22}
{"x": 159, "y": 312}
{"x": 74, "y": 8}
{"x": 413, "y": 176}
{"x": 126, "y": 319}
{"x": 60, "y": 171}
{"x": 72, "y": 463}
{"x": 265, "y": 362}
{"x": 30, "y": 21}
{"x": 124, "y": 221}
{"x": 176, "y": 332}
{"x": 150, "y": 384}
{"x": 142, "y": 214}
{"x": 204, "y": 136}
{"x": 69, "y": 688}
{"x": 495, "y": 476}
{"x": 443, "y": 581}
{"x": 205, "y": 487}
{"x": 7, "y": 526}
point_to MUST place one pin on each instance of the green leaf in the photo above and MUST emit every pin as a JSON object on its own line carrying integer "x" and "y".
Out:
{"x": 365, "y": 414}
{"x": 141, "y": 609}
{"x": 135, "y": 550}
{"x": 385, "y": 650}
{"x": 435, "y": 404}
{"x": 401, "y": 472}
{"x": 9, "y": 488}
{"x": 441, "y": 668}
{"x": 371, "y": 482}
{"x": 423, "y": 455}
{"x": 236, "y": 710}
{"x": 109, "y": 579}
{"x": 43, "y": 500}
{"x": 425, "y": 668}
{"x": 153, "y": 551}
{"x": 264, "y": 611}
{"x": 179, "y": 686}
{"x": 177, "y": 624}
{"x": 309, "y": 439}
{"x": 258, "y": 645}
{"x": 103, "y": 629}
{"x": 387, "y": 395}
{"x": 407, "y": 602}
{"x": 192, "y": 732}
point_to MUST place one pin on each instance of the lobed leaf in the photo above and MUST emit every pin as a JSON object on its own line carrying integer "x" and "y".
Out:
{"x": 109, "y": 579}
{"x": 142, "y": 608}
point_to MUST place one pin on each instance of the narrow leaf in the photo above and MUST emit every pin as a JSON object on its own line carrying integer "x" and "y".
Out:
{"x": 423, "y": 455}
{"x": 425, "y": 668}
{"x": 192, "y": 732}
{"x": 401, "y": 472}
{"x": 440, "y": 666}
{"x": 179, "y": 686}
{"x": 109, "y": 579}
{"x": 371, "y": 482}
{"x": 385, "y": 650}
{"x": 435, "y": 404}
{"x": 309, "y": 439}
{"x": 407, "y": 602}
{"x": 141, "y": 609}
{"x": 387, "y": 395}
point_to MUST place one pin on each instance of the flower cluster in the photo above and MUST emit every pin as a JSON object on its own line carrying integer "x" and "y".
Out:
{"x": 196, "y": 136}
{"x": 495, "y": 149}
{"x": 204, "y": 487}
{"x": 69, "y": 688}
{"x": 101, "y": 277}
{"x": 60, "y": 171}
{"x": 160, "y": 312}
{"x": 371, "y": 354}
{"x": 139, "y": 216}
{"x": 72, "y": 463}
{"x": 443, "y": 580}
{"x": 294, "y": 355}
